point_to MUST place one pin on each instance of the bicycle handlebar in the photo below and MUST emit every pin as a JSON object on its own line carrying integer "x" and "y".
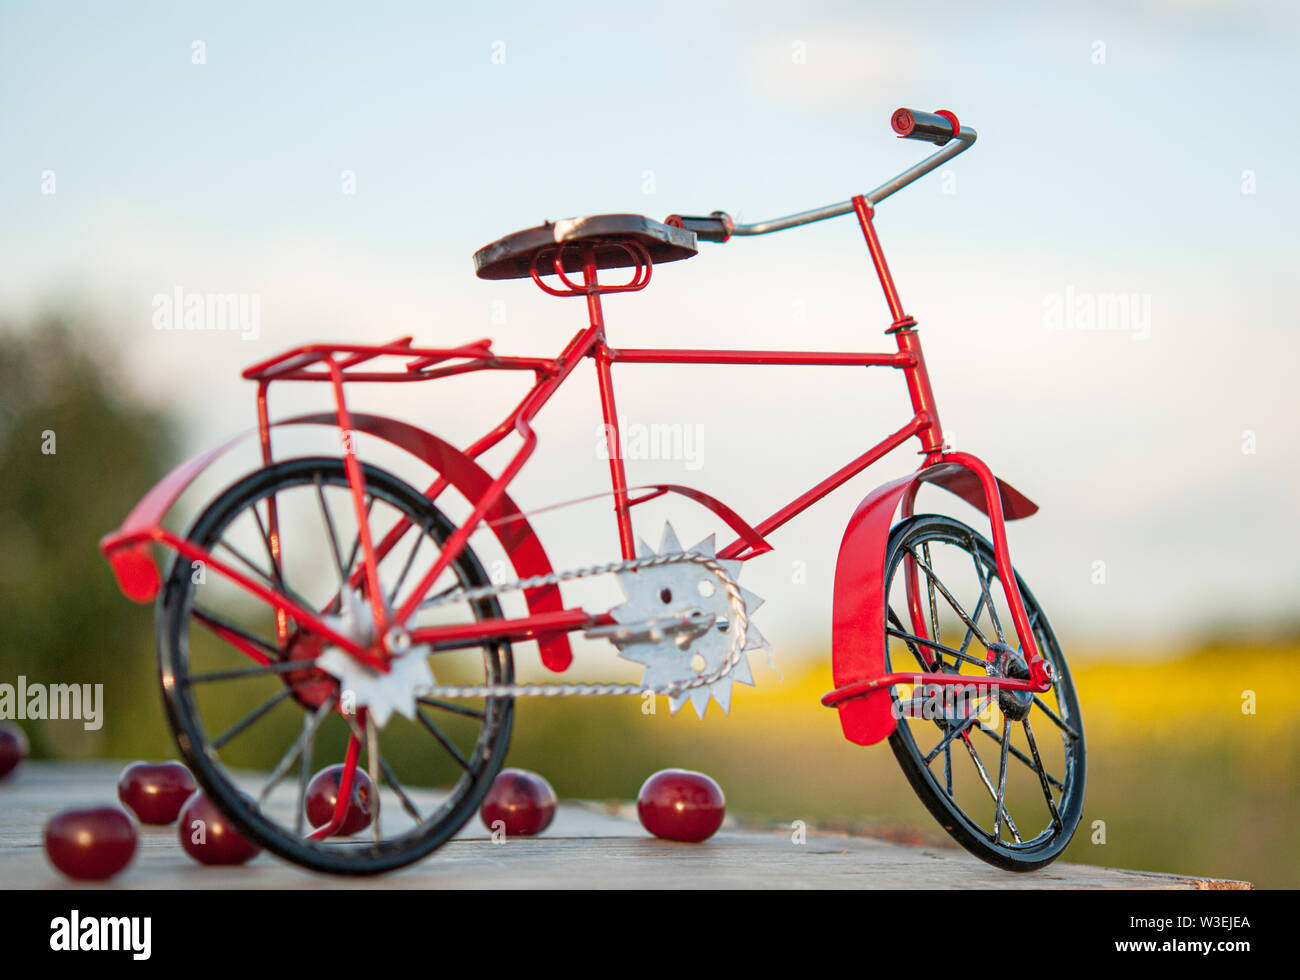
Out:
{"x": 941, "y": 128}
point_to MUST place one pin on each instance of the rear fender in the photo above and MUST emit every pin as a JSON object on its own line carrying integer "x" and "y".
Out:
{"x": 128, "y": 552}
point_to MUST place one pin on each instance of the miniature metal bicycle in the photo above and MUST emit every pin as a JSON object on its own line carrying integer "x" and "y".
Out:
{"x": 326, "y": 604}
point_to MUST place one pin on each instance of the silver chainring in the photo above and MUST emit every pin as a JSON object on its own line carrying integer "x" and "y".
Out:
{"x": 679, "y": 622}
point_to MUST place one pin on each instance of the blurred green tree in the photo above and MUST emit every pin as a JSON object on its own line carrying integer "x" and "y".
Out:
{"x": 77, "y": 450}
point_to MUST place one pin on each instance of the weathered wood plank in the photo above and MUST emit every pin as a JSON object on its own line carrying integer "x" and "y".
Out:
{"x": 587, "y": 846}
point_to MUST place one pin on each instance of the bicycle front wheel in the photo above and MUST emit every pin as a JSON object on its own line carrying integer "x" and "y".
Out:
{"x": 1003, "y": 773}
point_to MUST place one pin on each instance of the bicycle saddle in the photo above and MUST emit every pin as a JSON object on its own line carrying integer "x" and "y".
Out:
{"x": 612, "y": 236}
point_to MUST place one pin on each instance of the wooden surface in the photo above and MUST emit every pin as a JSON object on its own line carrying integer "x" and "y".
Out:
{"x": 587, "y": 846}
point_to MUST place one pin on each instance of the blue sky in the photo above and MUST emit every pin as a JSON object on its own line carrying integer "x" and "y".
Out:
{"x": 1119, "y": 174}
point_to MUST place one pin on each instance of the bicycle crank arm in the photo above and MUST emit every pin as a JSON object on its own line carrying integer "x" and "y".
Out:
{"x": 684, "y": 628}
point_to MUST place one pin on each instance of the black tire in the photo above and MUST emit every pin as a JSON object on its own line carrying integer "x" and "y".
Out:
{"x": 958, "y": 812}
{"x": 175, "y": 608}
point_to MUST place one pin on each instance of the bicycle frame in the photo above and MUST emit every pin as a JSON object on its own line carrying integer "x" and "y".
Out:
{"x": 858, "y": 659}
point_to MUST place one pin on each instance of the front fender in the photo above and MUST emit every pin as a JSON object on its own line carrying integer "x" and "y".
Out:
{"x": 138, "y": 577}
{"x": 858, "y": 618}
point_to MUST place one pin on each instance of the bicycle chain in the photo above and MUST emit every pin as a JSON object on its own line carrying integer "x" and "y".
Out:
{"x": 739, "y": 618}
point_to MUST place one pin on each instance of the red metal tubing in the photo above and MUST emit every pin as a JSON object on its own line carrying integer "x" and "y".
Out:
{"x": 633, "y": 355}
{"x": 608, "y": 409}
{"x": 523, "y": 628}
{"x": 300, "y": 357}
{"x": 520, "y": 420}
{"x": 859, "y": 688}
{"x": 864, "y": 212}
{"x": 836, "y": 479}
{"x": 918, "y": 389}
{"x": 346, "y": 778}
{"x": 357, "y": 484}
{"x": 640, "y": 256}
{"x": 1038, "y": 669}
{"x": 300, "y": 614}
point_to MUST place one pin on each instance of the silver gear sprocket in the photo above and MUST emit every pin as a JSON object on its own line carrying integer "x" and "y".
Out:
{"x": 685, "y": 589}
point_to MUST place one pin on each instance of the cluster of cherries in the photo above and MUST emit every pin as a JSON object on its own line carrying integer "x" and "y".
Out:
{"x": 98, "y": 842}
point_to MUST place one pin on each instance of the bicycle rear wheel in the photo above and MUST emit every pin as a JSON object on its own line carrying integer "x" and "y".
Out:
{"x": 242, "y": 695}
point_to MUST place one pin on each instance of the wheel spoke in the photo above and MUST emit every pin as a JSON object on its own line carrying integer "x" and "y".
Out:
{"x": 998, "y": 803}
{"x": 248, "y": 562}
{"x": 356, "y": 542}
{"x": 311, "y": 722}
{"x": 1015, "y": 752}
{"x": 984, "y": 588}
{"x": 406, "y": 568}
{"x": 1055, "y": 718}
{"x": 304, "y": 775}
{"x": 458, "y": 709}
{"x": 934, "y": 609}
{"x": 352, "y": 557}
{"x": 272, "y": 580}
{"x": 249, "y": 719}
{"x": 1042, "y": 775}
{"x": 988, "y": 785}
{"x": 956, "y": 606}
{"x": 965, "y": 642}
{"x": 390, "y": 777}
{"x": 219, "y": 627}
{"x": 407, "y": 803}
{"x": 443, "y": 740}
{"x": 894, "y": 627}
{"x": 268, "y": 670}
{"x": 277, "y": 573}
{"x": 957, "y": 730}
{"x": 905, "y": 706}
{"x": 372, "y": 764}
{"x": 433, "y": 599}
{"x": 957, "y": 655}
{"x": 329, "y": 528}
{"x": 281, "y": 617}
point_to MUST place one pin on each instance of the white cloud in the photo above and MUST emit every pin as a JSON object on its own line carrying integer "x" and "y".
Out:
{"x": 850, "y": 68}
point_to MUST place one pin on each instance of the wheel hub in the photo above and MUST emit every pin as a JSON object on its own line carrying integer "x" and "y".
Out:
{"x": 311, "y": 687}
{"x": 362, "y": 686}
{"x": 1011, "y": 663}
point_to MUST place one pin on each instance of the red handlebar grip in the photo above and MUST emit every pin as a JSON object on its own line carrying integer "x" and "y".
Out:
{"x": 933, "y": 127}
{"x": 903, "y": 122}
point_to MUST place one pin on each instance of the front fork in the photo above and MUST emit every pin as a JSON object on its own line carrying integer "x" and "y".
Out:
{"x": 1041, "y": 674}
{"x": 936, "y": 451}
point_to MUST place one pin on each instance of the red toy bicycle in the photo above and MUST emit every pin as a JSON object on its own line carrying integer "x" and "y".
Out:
{"x": 326, "y": 605}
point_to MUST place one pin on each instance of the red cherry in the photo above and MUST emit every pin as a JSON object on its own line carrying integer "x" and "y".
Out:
{"x": 323, "y": 796}
{"x": 155, "y": 792}
{"x": 92, "y": 844}
{"x": 678, "y": 804}
{"x": 520, "y": 799}
{"x": 209, "y": 837}
{"x": 13, "y": 748}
